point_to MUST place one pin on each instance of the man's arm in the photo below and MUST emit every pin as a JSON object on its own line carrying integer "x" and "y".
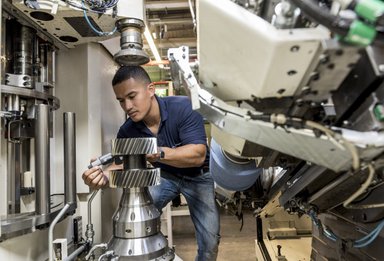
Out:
{"x": 187, "y": 156}
{"x": 97, "y": 178}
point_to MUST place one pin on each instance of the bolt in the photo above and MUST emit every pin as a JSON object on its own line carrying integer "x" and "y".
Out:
{"x": 295, "y": 48}
{"x": 278, "y": 250}
{"x": 324, "y": 59}
{"x": 299, "y": 102}
{"x": 381, "y": 68}
{"x": 305, "y": 90}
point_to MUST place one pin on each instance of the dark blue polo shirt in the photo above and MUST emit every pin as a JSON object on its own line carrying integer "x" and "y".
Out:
{"x": 180, "y": 125}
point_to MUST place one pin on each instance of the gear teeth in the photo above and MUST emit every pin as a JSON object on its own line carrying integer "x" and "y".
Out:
{"x": 134, "y": 178}
{"x": 134, "y": 146}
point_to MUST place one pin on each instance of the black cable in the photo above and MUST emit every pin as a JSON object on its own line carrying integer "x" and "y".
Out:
{"x": 55, "y": 206}
{"x": 221, "y": 109}
{"x": 322, "y": 16}
{"x": 57, "y": 194}
{"x": 334, "y": 23}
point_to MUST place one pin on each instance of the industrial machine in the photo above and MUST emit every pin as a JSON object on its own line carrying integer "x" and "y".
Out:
{"x": 32, "y": 35}
{"x": 294, "y": 88}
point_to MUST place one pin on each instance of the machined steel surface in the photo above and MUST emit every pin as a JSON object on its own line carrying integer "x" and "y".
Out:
{"x": 134, "y": 146}
{"x": 23, "y": 56}
{"x": 19, "y": 80}
{"x": 42, "y": 160}
{"x": 69, "y": 119}
{"x": 47, "y": 61}
{"x": 131, "y": 56}
{"x": 136, "y": 217}
{"x": 19, "y": 224}
{"x": 131, "y": 43}
{"x": 27, "y": 93}
{"x": 134, "y": 178}
{"x": 135, "y": 162}
{"x": 136, "y": 222}
{"x": 146, "y": 248}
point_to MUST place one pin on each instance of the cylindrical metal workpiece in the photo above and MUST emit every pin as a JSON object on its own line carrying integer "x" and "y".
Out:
{"x": 131, "y": 42}
{"x": 23, "y": 56}
{"x": 69, "y": 120}
{"x": 47, "y": 62}
{"x": 135, "y": 162}
{"x": 136, "y": 223}
{"x": 136, "y": 216}
{"x": 42, "y": 159}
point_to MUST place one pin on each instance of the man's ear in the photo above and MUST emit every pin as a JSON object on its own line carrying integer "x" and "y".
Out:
{"x": 151, "y": 89}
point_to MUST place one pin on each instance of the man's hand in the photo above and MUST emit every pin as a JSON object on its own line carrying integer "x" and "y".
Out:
{"x": 153, "y": 157}
{"x": 95, "y": 178}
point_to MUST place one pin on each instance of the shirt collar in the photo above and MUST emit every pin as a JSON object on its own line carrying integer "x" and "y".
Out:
{"x": 163, "y": 108}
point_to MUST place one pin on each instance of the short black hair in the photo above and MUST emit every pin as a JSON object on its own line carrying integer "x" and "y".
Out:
{"x": 127, "y": 72}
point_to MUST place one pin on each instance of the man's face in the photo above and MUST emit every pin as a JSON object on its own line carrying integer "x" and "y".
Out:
{"x": 135, "y": 98}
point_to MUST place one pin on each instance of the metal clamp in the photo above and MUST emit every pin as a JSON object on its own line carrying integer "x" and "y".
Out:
{"x": 102, "y": 245}
{"x": 9, "y": 132}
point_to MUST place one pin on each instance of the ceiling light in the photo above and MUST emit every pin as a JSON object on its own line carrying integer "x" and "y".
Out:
{"x": 151, "y": 43}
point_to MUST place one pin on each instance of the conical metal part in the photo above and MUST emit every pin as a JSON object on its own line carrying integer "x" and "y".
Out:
{"x": 136, "y": 222}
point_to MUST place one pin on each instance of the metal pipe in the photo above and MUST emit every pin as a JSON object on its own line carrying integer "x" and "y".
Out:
{"x": 89, "y": 206}
{"x": 89, "y": 233}
{"x": 50, "y": 232}
{"x": 102, "y": 245}
{"x": 42, "y": 159}
{"x": 69, "y": 157}
{"x": 46, "y": 56}
{"x": 75, "y": 253}
{"x": 106, "y": 254}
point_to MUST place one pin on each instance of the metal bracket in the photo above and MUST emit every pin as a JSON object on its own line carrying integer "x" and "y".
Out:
{"x": 180, "y": 58}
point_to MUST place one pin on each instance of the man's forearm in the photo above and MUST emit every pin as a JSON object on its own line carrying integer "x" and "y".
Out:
{"x": 187, "y": 156}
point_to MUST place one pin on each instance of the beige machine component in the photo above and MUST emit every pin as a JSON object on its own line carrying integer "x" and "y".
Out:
{"x": 284, "y": 236}
{"x": 236, "y": 145}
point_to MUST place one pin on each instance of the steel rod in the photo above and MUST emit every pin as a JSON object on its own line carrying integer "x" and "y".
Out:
{"x": 42, "y": 159}
{"x": 70, "y": 157}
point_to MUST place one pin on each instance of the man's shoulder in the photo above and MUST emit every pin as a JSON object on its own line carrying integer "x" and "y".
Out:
{"x": 127, "y": 125}
{"x": 177, "y": 102}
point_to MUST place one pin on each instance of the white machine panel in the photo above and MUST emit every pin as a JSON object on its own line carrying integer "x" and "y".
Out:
{"x": 236, "y": 46}
{"x": 67, "y": 24}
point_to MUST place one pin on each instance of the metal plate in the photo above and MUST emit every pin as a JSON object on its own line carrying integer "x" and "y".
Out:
{"x": 28, "y": 93}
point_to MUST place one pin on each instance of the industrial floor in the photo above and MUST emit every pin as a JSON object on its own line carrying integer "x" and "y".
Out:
{"x": 234, "y": 244}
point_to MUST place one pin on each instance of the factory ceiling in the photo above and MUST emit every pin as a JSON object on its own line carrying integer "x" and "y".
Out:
{"x": 171, "y": 24}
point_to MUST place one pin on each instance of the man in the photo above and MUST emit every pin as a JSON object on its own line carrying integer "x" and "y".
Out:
{"x": 182, "y": 153}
